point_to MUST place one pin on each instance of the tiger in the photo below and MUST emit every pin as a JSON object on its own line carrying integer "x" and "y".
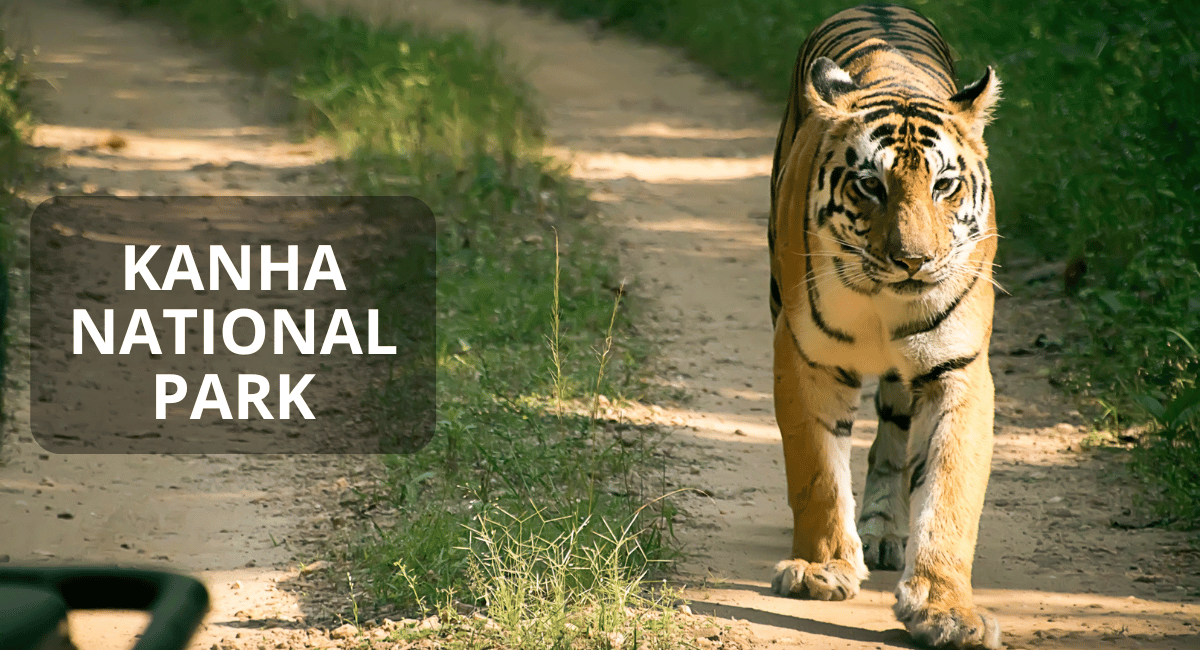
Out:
{"x": 882, "y": 237}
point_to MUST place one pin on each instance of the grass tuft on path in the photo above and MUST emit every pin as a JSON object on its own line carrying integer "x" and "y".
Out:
{"x": 523, "y": 502}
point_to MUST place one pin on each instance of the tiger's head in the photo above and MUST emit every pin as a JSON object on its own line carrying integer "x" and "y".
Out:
{"x": 901, "y": 198}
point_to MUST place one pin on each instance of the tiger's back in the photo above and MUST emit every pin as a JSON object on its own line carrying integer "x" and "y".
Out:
{"x": 881, "y": 237}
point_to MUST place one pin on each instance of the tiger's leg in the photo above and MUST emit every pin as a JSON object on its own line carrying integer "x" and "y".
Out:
{"x": 950, "y": 453}
{"x": 814, "y": 406}
{"x": 883, "y": 524}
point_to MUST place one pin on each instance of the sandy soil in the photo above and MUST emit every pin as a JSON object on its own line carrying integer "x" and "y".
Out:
{"x": 679, "y": 162}
{"x": 131, "y": 111}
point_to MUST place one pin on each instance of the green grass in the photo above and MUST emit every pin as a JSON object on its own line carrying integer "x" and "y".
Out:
{"x": 15, "y": 121}
{"x": 519, "y": 480}
{"x": 1093, "y": 151}
{"x": 1168, "y": 461}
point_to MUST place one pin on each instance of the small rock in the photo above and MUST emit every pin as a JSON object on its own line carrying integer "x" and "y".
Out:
{"x": 315, "y": 566}
{"x": 65, "y": 515}
{"x": 47, "y": 482}
{"x": 1057, "y": 499}
{"x": 115, "y": 142}
{"x": 1043, "y": 272}
{"x": 344, "y": 632}
{"x": 237, "y": 584}
{"x": 464, "y": 608}
{"x": 684, "y": 609}
{"x": 431, "y": 623}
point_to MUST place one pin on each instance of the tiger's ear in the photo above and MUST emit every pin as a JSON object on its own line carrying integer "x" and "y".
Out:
{"x": 827, "y": 85}
{"x": 975, "y": 102}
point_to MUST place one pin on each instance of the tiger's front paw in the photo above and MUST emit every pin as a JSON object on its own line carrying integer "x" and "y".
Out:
{"x": 833, "y": 580}
{"x": 957, "y": 627}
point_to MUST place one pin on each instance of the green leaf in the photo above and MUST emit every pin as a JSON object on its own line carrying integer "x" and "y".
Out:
{"x": 1184, "y": 406}
{"x": 1154, "y": 407}
{"x": 1113, "y": 300}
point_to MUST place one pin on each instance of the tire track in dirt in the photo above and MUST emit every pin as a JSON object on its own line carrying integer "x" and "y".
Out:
{"x": 679, "y": 162}
{"x": 125, "y": 109}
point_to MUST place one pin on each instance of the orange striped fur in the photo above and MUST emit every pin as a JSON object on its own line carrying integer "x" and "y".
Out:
{"x": 882, "y": 235}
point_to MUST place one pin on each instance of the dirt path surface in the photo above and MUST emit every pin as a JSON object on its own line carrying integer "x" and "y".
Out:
{"x": 133, "y": 112}
{"x": 680, "y": 162}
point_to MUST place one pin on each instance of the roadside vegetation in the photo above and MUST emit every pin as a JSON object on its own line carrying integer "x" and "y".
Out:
{"x": 15, "y": 120}
{"x": 14, "y": 123}
{"x": 1096, "y": 165}
{"x": 525, "y": 502}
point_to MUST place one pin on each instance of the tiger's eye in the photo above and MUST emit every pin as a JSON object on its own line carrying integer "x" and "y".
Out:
{"x": 871, "y": 186}
{"x": 945, "y": 185}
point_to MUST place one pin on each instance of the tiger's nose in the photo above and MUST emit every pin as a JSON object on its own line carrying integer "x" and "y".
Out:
{"x": 911, "y": 264}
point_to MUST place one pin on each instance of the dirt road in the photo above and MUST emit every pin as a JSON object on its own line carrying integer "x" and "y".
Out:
{"x": 679, "y": 162}
{"x": 132, "y": 111}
